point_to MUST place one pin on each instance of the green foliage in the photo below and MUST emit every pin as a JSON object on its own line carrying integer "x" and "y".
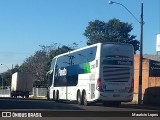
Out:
{"x": 112, "y": 31}
{"x": 97, "y": 31}
{"x": 36, "y": 64}
{"x": 39, "y": 63}
{"x": 15, "y": 69}
{"x": 6, "y": 76}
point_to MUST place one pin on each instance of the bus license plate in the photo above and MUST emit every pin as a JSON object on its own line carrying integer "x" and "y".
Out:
{"x": 116, "y": 95}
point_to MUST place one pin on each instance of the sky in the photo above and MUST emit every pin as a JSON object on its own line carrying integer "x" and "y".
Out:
{"x": 26, "y": 24}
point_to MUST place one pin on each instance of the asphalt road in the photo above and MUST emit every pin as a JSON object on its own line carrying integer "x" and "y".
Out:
{"x": 51, "y": 109}
{"x": 40, "y": 104}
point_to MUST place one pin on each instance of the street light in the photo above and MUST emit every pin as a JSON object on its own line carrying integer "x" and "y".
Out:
{"x": 141, "y": 47}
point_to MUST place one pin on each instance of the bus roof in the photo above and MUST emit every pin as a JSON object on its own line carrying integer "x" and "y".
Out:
{"x": 73, "y": 51}
{"x": 97, "y": 44}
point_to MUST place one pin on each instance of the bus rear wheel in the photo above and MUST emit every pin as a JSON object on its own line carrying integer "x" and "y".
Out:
{"x": 54, "y": 96}
{"x": 84, "y": 98}
{"x": 57, "y": 96}
{"x": 79, "y": 100}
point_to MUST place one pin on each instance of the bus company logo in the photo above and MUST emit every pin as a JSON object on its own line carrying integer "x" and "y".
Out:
{"x": 6, "y": 114}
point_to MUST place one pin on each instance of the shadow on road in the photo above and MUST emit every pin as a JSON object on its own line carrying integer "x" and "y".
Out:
{"x": 130, "y": 106}
{"x": 142, "y": 106}
{"x": 35, "y": 104}
{"x": 21, "y": 103}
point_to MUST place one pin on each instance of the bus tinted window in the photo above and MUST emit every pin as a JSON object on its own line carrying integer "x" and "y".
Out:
{"x": 117, "y": 49}
{"x": 69, "y": 64}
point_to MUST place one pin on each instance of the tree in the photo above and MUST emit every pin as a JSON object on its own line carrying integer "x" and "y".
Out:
{"x": 37, "y": 65}
{"x": 112, "y": 31}
{"x": 15, "y": 69}
{"x": 6, "y": 76}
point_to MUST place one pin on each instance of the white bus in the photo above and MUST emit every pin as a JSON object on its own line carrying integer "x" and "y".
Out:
{"x": 96, "y": 73}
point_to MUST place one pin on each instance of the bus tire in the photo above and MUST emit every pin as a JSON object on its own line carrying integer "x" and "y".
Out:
{"x": 54, "y": 96}
{"x": 57, "y": 96}
{"x": 79, "y": 99}
{"x": 84, "y": 98}
{"x": 48, "y": 96}
{"x": 12, "y": 95}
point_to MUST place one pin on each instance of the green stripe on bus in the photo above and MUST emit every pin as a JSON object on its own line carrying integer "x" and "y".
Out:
{"x": 87, "y": 68}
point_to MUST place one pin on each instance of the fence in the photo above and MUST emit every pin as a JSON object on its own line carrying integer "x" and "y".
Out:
{"x": 4, "y": 92}
{"x": 39, "y": 92}
{"x": 35, "y": 93}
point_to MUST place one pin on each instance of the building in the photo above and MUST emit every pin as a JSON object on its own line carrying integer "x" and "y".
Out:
{"x": 150, "y": 79}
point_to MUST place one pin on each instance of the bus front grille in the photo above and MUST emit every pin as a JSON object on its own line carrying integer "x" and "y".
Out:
{"x": 116, "y": 74}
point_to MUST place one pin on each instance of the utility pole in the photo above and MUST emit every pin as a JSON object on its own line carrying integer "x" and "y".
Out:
{"x": 141, "y": 47}
{"x": 140, "y": 59}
